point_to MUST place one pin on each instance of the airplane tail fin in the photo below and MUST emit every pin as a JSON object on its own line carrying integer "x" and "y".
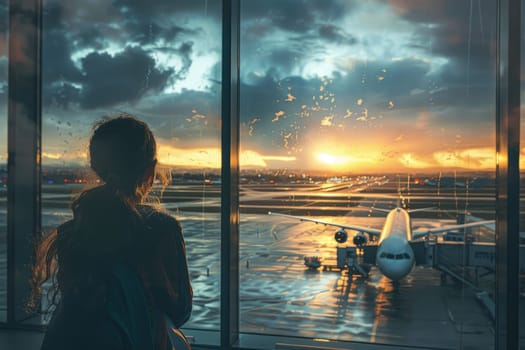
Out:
{"x": 401, "y": 203}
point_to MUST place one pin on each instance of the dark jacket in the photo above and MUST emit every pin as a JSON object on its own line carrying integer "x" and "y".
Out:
{"x": 125, "y": 309}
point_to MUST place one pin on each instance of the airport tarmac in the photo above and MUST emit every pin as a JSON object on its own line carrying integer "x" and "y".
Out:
{"x": 279, "y": 296}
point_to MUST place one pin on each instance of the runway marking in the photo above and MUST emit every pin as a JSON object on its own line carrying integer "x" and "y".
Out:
{"x": 374, "y": 330}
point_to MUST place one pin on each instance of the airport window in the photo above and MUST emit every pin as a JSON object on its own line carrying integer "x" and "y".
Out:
{"x": 343, "y": 119}
{"x": 4, "y": 14}
{"x": 521, "y": 257}
{"x": 160, "y": 62}
{"x": 348, "y": 110}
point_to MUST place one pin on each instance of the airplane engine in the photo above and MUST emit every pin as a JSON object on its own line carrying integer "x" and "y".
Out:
{"x": 341, "y": 236}
{"x": 360, "y": 240}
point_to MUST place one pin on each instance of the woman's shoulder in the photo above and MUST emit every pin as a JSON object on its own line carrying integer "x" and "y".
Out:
{"x": 159, "y": 219}
{"x": 65, "y": 229}
{"x": 165, "y": 232}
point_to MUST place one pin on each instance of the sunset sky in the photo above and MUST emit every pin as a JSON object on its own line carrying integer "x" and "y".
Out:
{"x": 336, "y": 85}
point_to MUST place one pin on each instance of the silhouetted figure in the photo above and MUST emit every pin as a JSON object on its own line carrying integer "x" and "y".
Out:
{"x": 119, "y": 266}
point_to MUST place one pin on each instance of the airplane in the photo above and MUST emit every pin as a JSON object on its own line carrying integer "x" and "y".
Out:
{"x": 395, "y": 256}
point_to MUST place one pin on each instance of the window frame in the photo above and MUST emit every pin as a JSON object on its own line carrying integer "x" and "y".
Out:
{"x": 508, "y": 174}
{"x": 24, "y": 167}
{"x": 24, "y": 146}
{"x": 230, "y": 215}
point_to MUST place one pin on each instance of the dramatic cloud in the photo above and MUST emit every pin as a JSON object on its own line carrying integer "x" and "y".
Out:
{"x": 124, "y": 77}
{"x": 57, "y": 64}
{"x": 3, "y": 69}
{"x": 3, "y": 92}
{"x": 4, "y": 13}
{"x": 462, "y": 32}
{"x": 190, "y": 118}
{"x": 147, "y": 32}
{"x": 330, "y": 32}
{"x": 364, "y": 84}
{"x": 145, "y": 9}
{"x": 295, "y": 15}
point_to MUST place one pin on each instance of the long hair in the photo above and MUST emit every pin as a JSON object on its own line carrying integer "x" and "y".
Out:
{"x": 106, "y": 227}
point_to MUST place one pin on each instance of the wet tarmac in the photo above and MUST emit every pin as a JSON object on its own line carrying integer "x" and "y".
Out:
{"x": 279, "y": 296}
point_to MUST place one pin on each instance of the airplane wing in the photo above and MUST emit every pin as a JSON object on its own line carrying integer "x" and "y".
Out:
{"x": 381, "y": 210}
{"x": 409, "y": 210}
{"x": 432, "y": 231}
{"x": 420, "y": 209}
{"x": 368, "y": 230}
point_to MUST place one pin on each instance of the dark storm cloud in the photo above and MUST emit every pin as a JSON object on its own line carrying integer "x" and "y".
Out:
{"x": 3, "y": 69}
{"x": 56, "y": 62}
{"x": 183, "y": 104}
{"x": 261, "y": 103}
{"x": 282, "y": 60}
{"x": 89, "y": 37}
{"x": 53, "y": 16}
{"x": 4, "y": 13}
{"x": 332, "y": 33}
{"x": 143, "y": 8}
{"x": 79, "y": 28}
{"x": 58, "y": 69}
{"x": 463, "y": 32}
{"x": 295, "y": 15}
{"x": 191, "y": 116}
{"x": 184, "y": 51}
{"x": 150, "y": 32}
{"x": 101, "y": 79}
{"x": 141, "y": 22}
{"x": 372, "y": 93}
{"x": 124, "y": 77}
{"x": 259, "y": 98}
{"x": 315, "y": 39}
{"x": 449, "y": 13}
{"x": 411, "y": 84}
{"x": 145, "y": 22}
{"x": 61, "y": 95}
{"x": 376, "y": 84}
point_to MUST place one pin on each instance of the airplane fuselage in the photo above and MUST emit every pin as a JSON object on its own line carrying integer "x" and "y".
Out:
{"x": 395, "y": 257}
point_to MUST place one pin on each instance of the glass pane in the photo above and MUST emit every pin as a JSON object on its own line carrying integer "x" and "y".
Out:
{"x": 521, "y": 308}
{"x": 377, "y": 117}
{"x": 4, "y": 16}
{"x": 160, "y": 62}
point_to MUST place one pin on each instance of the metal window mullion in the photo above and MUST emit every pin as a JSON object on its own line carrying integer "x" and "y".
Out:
{"x": 24, "y": 124}
{"x": 230, "y": 175}
{"x": 508, "y": 175}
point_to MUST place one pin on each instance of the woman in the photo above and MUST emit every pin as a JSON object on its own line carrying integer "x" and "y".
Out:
{"x": 119, "y": 266}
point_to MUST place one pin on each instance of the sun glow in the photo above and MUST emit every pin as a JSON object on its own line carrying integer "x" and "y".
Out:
{"x": 211, "y": 157}
{"x": 333, "y": 160}
{"x": 471, "y": 158}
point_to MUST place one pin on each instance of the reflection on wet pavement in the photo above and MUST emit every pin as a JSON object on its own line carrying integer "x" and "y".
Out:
{"x": 279, "y": 296}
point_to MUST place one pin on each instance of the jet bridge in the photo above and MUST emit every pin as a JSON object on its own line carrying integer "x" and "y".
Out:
{"x": 473, "y": 264}
{"x": 474, "y": 254}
